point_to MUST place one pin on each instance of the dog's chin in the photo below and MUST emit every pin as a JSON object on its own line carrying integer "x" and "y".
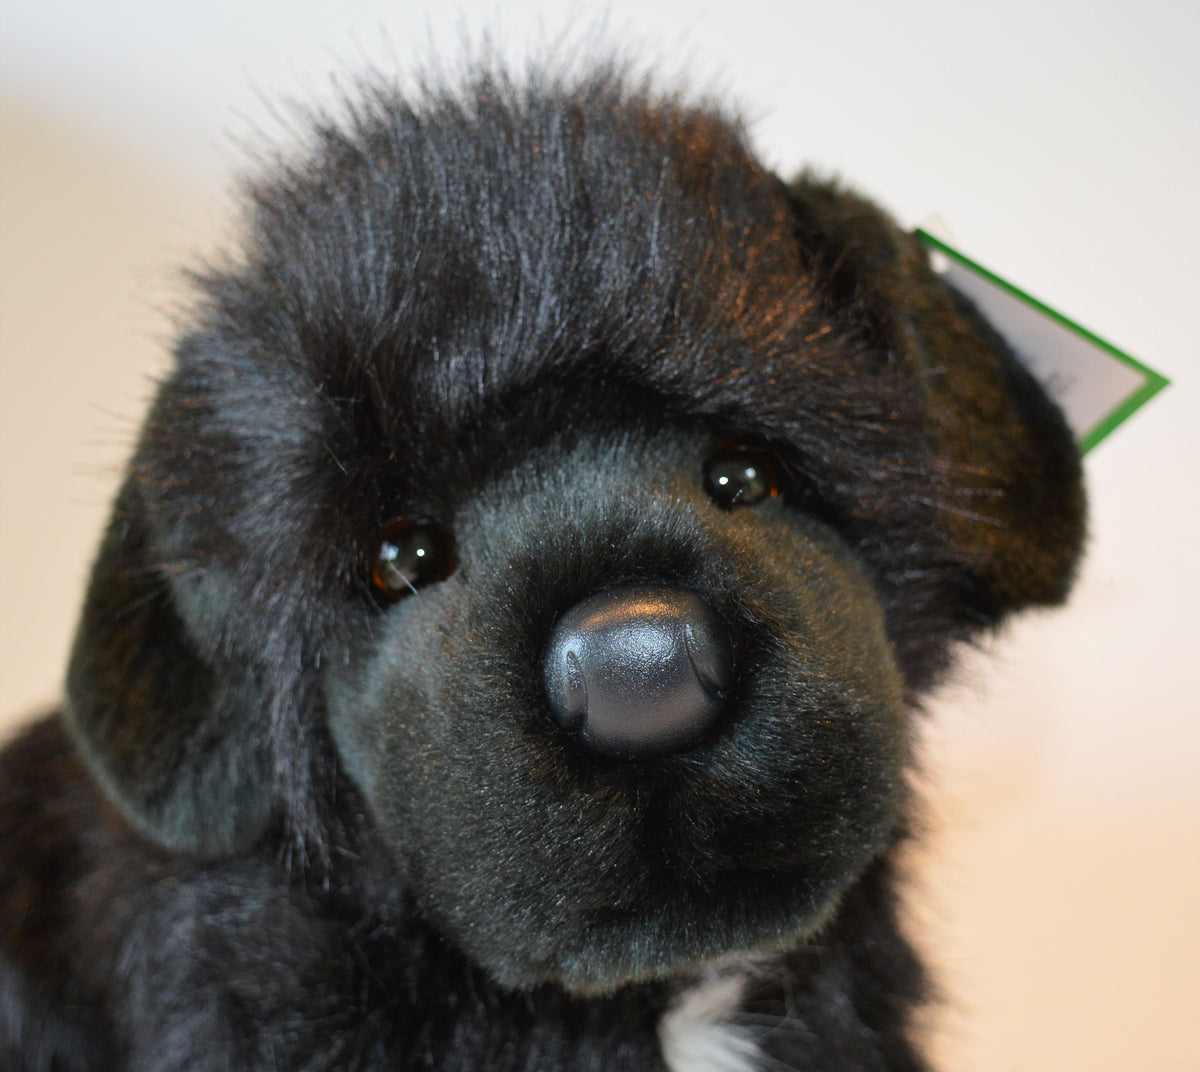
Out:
{"x": 670, "y": 941}
{"x": 593, "y": 934}
{"x": 594, "y": 891}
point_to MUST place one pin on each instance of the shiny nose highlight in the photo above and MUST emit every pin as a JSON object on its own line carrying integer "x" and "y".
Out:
{"x": 638, "y": 671}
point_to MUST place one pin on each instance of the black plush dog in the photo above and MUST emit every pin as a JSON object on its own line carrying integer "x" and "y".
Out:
{"x": 503, "y": 652}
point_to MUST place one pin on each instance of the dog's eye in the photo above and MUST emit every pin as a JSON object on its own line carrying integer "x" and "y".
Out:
{"x": 739, "y": 475}
{"x": 410, "y": 554}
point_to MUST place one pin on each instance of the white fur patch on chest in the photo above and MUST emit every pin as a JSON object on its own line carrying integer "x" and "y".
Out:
{"x": 697, "y": 1034}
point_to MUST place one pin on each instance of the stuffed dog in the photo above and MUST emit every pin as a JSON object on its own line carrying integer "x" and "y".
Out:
{"x": 504, "y": 651}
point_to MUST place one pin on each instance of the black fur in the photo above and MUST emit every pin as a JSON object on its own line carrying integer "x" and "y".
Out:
{"x": 279, "y": 826}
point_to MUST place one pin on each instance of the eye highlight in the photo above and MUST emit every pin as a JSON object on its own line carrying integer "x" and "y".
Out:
{"x": 410, "y": 553}
{"x": 736, "y": 474}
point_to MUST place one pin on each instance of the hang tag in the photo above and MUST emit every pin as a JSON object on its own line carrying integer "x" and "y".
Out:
{"x": 1097, "y": 386}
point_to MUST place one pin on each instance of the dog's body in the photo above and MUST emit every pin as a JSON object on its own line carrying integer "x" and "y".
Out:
{"x": 503, "y": 651}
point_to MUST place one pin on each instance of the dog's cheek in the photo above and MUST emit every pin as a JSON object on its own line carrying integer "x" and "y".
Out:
{"x": 380, "y": 717}
{"x": 824, "y": 724}
{"x": 428, "y": 736}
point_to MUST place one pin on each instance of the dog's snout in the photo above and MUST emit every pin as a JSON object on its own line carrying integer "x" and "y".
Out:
{"x": 637, "y": 672}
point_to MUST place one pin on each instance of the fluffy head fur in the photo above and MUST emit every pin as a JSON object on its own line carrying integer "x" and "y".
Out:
{"x": 530, "y": 315}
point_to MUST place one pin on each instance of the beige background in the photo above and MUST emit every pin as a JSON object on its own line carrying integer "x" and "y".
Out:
{"x": 1058, "y": 143}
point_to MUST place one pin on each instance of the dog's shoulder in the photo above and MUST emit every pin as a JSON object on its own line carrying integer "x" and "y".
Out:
{"x": 50, "y": 823}
{"x": 50, "y": 811}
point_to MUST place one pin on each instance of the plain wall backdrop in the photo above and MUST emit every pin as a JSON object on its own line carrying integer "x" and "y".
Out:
{"x": 1057, "y": 143}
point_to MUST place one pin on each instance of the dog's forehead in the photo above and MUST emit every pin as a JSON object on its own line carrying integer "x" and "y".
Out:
{"x": 431, "y": 284}
{"x": 425, "y": 259}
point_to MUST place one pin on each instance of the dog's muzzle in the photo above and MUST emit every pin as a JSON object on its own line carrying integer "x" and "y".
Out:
{"x": 636, "y": 672}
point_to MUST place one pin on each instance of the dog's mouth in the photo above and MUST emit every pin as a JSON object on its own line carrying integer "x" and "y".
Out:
{"x": 546, "y": 862}
{"x": 630, "y": 886}
{"x": 674, "y": 932}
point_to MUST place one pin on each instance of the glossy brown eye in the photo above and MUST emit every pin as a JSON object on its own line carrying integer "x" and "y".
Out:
{"x": 739, "y": 475}
{"x": 409, "y": 554}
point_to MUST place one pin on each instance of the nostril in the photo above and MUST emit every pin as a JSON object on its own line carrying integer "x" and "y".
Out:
{"x": 707, "y": 661}
{"x": 575, "y": 694}
{"x": 638, "y": 671}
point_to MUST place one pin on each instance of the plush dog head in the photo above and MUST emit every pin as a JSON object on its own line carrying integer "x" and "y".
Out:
{"x": 591, "y": 502}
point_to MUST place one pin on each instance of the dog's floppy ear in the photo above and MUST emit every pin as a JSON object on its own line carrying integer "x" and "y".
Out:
{"x": 172, "y": 728}
{"x": 193, "y": 687}
{"x": 1004, "y": 480}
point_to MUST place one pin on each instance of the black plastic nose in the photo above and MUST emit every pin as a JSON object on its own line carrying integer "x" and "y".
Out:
{"x": 637, "y": 672}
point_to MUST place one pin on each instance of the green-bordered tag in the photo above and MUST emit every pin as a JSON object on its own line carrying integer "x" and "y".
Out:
{"x": 1097, "y": 385}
